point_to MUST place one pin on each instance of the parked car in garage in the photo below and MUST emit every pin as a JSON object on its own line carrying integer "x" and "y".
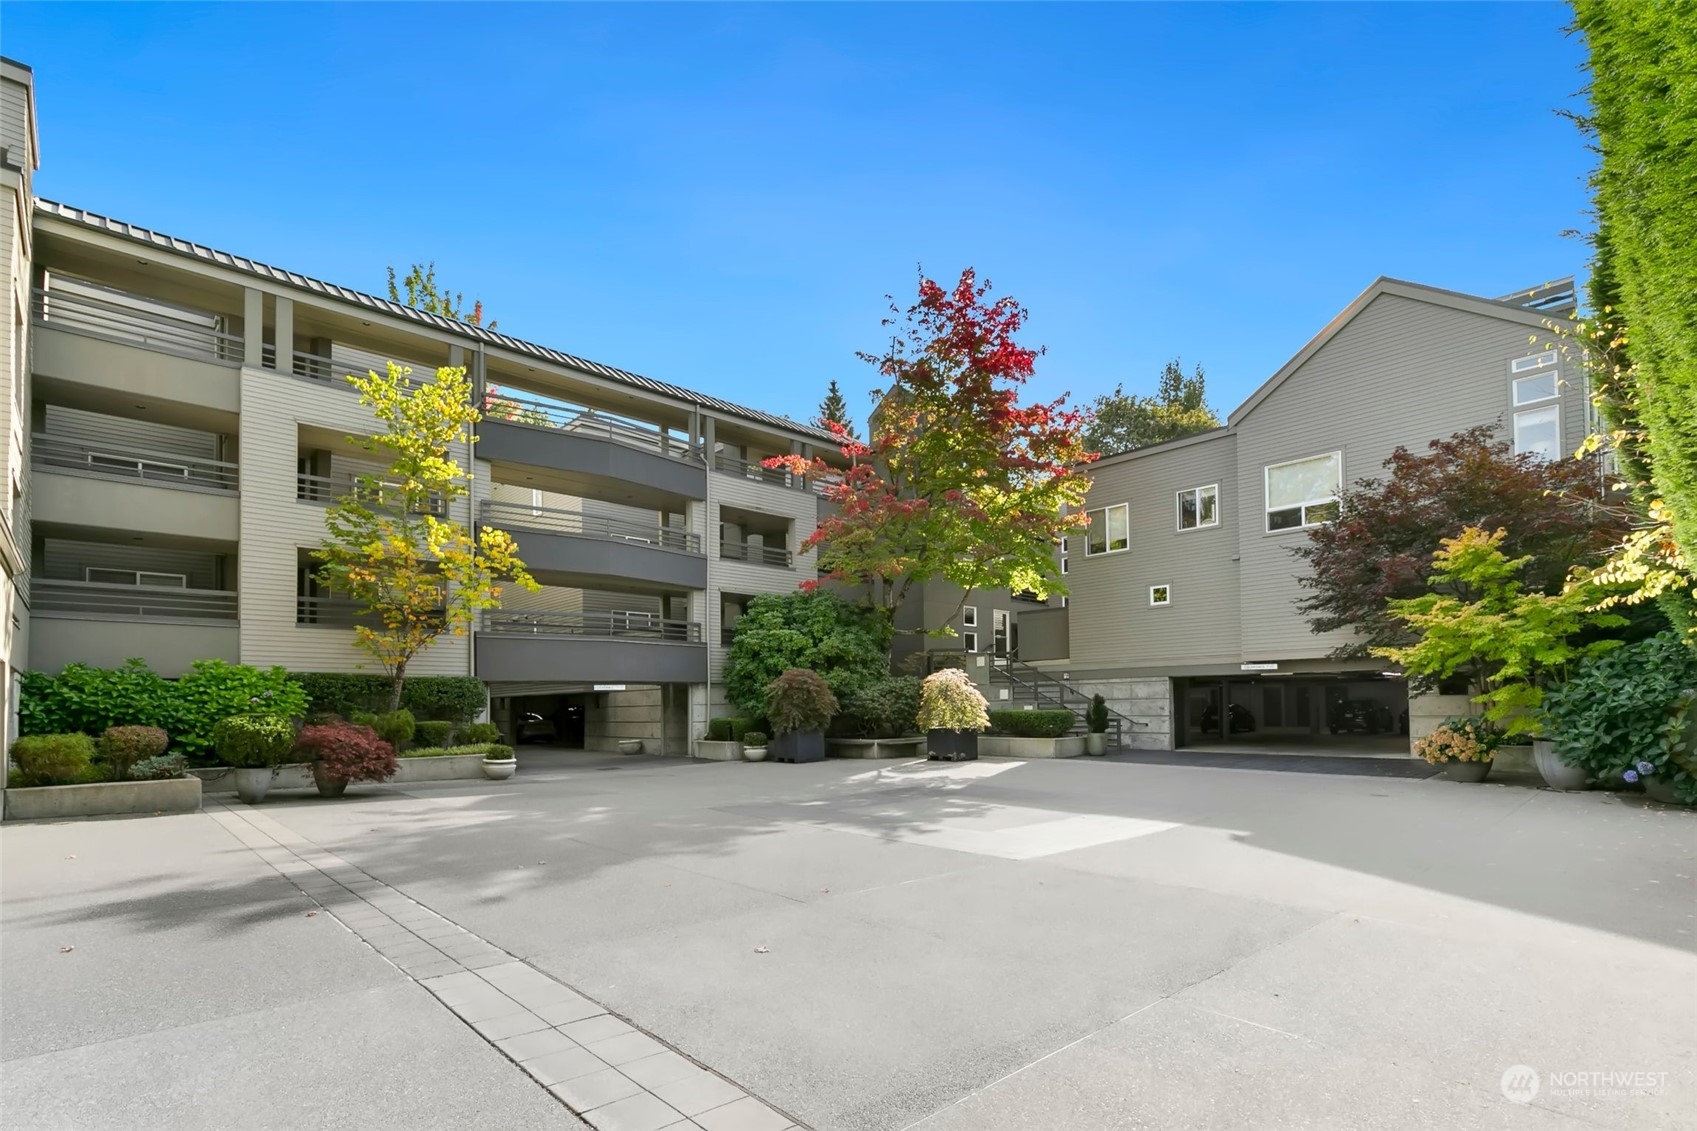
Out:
{"x": 536, "y": 728}
{"x": 1360, "y": 716}
{"x": 1242, "y": 721}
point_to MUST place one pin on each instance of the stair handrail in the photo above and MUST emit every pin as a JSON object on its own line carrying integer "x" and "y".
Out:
{"x": 1006, "y": 664}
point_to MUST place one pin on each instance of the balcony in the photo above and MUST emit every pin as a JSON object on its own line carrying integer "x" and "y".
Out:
{"x": 104, "y": 625}
{"x": 325, "y": 489}
{"x": 121, "y": 461}
{"x": 592, "y": 444}
{"x": 336, "y": 370}
{"x": 334, "y": 612}
{"x": 758, "y": 555}
{"x": 573, "y": 547}
{"x": 102, "y": 601}
{"x": 136, "y": 321}
{"x": 106, "y": 486}
{"x": 729, "y": 464}
{"x": 592, "y": 647}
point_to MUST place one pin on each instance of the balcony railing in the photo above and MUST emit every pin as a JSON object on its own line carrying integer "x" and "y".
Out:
{"x": 759, "y": 555}
{"x": 96, "y": 600}
{"x": 327, "y": 489}
{"x": 334, "y": 612}
{"x": 751, "y": 469}
{"x": 637, "y": 626}
{"x": 336, "y": 370}
{"x": 120, "y": 461}
{"x": 137, "y": 324}
{"x": 593, "y": 422}
{"x": 548, "y": 520}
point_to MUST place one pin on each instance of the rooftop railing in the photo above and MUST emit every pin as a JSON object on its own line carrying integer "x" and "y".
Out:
{"x": 120, "y": 461}
{"x": 327, "y": 488}
{"x": 137, "y": 323}
{"x": 96, "y": 600}
{"x": 522, "y": 516}
{"x": 624, "y": 626}
{"x": 580, "y": 421}
{"x": 759, "y": 555}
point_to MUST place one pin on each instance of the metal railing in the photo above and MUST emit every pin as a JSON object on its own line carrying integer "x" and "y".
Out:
{"x": 522, "y": 516}
{"x": 97, "y": 600}
{"x": 759, "y": 555}
{"x": 637, "y": 626}
{"x": 335, "y": 612}
{"x": 560, "y": 416}
{"x": 751, "y": 469}
{"x": 136, "y": 324}
{"x": 327, "y": 488}
{"x": 120, "y": 461}
{"x": 335, "y": 371}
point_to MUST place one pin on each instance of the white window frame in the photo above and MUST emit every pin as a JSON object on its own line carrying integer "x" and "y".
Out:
{"x": 969, "y": 641}
{"x": 969, "y": 616}
{"x": 1167, "y": 596}
{"x": 1539, "y": 410}
{"x": 1090, "y": 550}
{"x": 1267, "y": 493}
{"x": 1001, "y": 625}
{"x": 1535, "y": 361}
{"x": 1178, "y": 508}
{"x": 1514, "y": 389}
{"x": 135, "y": 577}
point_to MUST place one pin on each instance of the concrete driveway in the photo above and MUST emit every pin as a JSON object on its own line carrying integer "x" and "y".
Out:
{"x": 1077, "y": 944}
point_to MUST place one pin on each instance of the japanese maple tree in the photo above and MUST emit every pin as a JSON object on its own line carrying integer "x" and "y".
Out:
{"x": 956, "y": 480}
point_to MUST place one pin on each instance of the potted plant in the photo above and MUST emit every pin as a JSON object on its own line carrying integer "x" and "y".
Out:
{"x": 1463, "y": 747}
{"x": 345, "y": 752}
{"x": 499, "y": 763}
{"x": 630, "y": 746}
{"x": 1096, "y": 724}
{"x": 254, "y": 746}
{"x": 753, "y": 746}
{"x": 798, "y": 706}
{"x": 951, "y": 713}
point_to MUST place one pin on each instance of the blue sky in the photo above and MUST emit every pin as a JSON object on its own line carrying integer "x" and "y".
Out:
{"x": 721, "y": 196}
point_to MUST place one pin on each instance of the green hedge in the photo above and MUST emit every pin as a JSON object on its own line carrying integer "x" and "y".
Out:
{"x": 730, "y": 728}
{"x": 1032, "y": 724}
{"x": 450, "y": 698}
{"x": 487, "y": 749}
{"x": 51, "y": 759}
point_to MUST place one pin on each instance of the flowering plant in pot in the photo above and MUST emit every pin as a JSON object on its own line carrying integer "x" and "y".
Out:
{"x": 345, "y": 752}
{"x": 254, "y": 745}
{"x": 951, "y": 713}
{"x": 799, "y": 706}
{"x": 1463, "y": 747}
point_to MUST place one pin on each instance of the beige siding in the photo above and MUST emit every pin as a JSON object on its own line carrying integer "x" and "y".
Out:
{"x": 748, "y": 578}
{"x": 1112, "y": 622}
{"x": 1402, "y": 371}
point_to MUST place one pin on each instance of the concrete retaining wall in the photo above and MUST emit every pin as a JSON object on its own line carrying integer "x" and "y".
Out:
{"x": 718, "y": 751}
{"x": 1147, "y": 702}
{"x": 102, "y": 799}
{"x": 1008, "y": 746}
{"x": 449, "y": 767}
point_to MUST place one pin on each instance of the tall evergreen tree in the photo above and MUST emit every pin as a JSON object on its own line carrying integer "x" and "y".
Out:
{"x": 834, "y": 408}
{"x": 1123, "y": 421}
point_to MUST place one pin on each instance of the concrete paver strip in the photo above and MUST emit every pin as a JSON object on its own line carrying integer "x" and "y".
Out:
{"x": 568, "y": 1043}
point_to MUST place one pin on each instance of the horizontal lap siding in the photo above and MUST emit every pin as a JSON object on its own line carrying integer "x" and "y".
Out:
{"x": 66, "y": 560}
{"x": 747, "y": 578}
{"x": 1402, "y": 372}
{"x": 1112, "y": 624}
{"x": 96, "y": 429}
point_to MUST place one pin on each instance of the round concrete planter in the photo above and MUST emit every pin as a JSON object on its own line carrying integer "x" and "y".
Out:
{"x": 1556, "y": 773}
{"x": 499, "y": 770}
{"x": 252, "y": 783}
{"x": 630, "y": 746}
{"x": 1457, "y": 770}
{"x": 1096, "y": 742}
{"x": 1658, "y": 790}
{"x": 328, "y": 786}
{"x": 754, "y": 753}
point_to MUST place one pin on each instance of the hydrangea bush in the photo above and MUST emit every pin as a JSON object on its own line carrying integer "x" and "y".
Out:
{"x": 1460, "y": 740}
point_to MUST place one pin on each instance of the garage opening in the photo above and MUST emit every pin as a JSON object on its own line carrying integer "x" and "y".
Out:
{"x": 1347, "y": 713}
{"x": 593, "y": 716}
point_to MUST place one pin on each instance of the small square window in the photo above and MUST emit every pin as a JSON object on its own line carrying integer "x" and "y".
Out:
{"x": 1160, "y": 595}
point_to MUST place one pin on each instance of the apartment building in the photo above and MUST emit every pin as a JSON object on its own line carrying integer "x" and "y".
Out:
{"x": 1184, "y": 590}
{"x": 179, "y": 419}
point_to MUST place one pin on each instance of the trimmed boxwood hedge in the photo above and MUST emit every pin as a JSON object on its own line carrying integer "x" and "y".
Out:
{"x": 450, "y": 698}
{"x": 730, "y": 728}
{"x": 1032, "y": 724}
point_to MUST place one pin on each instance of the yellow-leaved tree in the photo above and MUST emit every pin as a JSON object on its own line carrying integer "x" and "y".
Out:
{"x": 390, "y": 544}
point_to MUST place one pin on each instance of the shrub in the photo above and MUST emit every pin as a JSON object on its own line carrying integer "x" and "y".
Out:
{"x": 487, "y": 749}
{"x": 847, "y": 645}
{"x": 161, "y": 768}
{"x": 213, "y": 690}
{"x": 1032, "y": 724}
{"x": 450, "y": 698}
{"x": 453, "y": 698}
{"x": 498, "y": 753}
{"x": 754, "y": 738}
{"x": 478, "y": 733}
{"x": 349, "y": 752}
{"x": 121, "y": 747}
{"x": 81, "y": 698}
{"x": 886, "y": 708}
{"x": 253, "y": 741}
{"x": 396, "y": 728}
{"x": 1096, "y": 717}
{"x": 799, "y": 700}
{"x": 1625, "y": 708}
{"x": 1460, "y": 740}
{"x": 51, "y": 759}
{"x": 730, "y": 728}
{"x": 434, "y": 733}
{"x": 949, "y": 701}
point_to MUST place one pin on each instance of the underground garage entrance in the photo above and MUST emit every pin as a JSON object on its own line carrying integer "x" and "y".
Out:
{"x": 1302, "y": 712}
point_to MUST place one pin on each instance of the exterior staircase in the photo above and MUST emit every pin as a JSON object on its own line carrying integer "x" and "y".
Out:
{"x": 1037, "y": 689}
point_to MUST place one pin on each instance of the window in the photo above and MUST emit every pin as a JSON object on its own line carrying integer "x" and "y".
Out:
{"x": 1538, "y": 387}
{"x": 1536, "y": 361}
{"x": 1303, "y": 492}
{"x": 1537, "y": 431}
{"x": 999, "y": 632}
{"x": 1160, "y": 595}
{"x": 1199, "y": 507}
{"x": 969, "y": 616}
{"x": 969, "y": 641}
{"x": 136, "y": 577}
{"x": 1108, "y": 530}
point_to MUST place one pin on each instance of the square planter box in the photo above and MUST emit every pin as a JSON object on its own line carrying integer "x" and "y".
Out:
{"x": 222, "y": 779}
{"x": 1009, "y": 746}
{"x": 951, "y": 745}
{"x": 448, "y": 767}
{"x": 718, "y": 751}
{"x": 801, "y": 746}
{"x": 103, "y": 799}
{"x": 876, "y": 747}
